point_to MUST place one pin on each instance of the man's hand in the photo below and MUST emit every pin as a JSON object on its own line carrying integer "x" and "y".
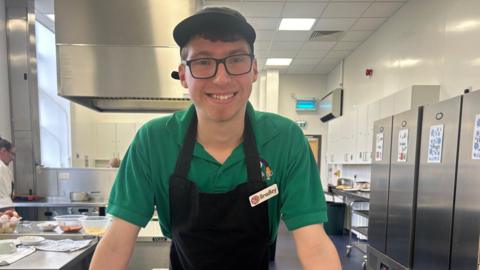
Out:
{"x": 116, "y": 247}
{"x": 315, "y": 250}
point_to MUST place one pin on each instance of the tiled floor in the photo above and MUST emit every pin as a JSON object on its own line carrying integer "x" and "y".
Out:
{"x": 286, "y": 257}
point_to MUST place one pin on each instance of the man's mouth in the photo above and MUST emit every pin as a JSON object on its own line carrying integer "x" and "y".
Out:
{"x": 222, "y": 96}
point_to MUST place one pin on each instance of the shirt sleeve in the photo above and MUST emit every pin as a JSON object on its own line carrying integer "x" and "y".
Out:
{"x": 302, "y": 199}
{"x": 132, "y": 195}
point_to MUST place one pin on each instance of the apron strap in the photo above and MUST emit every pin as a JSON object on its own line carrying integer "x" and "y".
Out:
{"x": 252, "y": 158}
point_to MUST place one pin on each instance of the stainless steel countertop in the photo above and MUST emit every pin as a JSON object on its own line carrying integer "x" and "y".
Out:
{"x": 51, "y": 260}
{"x": 59, "y": 202}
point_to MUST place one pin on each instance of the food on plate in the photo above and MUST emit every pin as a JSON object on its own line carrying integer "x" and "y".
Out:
{"x": 341, "y": 187}
{"x": 70, "y": 228}
{"x": 8, "y": 221}
{"x": 47, "y": 226}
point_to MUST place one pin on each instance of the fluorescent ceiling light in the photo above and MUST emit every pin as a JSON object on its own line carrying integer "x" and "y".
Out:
{"x": 278, "y": 61}
{"x": 296, "y": 24}
{"x": 51, "y": 16}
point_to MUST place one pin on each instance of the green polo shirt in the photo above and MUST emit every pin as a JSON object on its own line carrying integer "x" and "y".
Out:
{"x": 142, "y": 181}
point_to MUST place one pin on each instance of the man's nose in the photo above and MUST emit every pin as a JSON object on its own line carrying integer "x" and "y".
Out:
{"x": 222, "y": 75}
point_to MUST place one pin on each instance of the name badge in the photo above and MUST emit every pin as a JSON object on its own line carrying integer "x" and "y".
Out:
{"x": 263, "y": 195}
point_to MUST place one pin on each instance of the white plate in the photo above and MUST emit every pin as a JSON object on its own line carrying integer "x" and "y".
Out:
{"x": 351, "y": 189}
{"x": 30, "y": 240}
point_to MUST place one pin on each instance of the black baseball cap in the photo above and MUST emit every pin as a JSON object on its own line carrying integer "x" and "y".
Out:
{"x": 220, "y": 19}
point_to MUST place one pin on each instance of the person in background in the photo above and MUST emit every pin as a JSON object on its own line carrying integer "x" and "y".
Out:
{"x": 220, "y": 174}
{"x": 7, "y": 155}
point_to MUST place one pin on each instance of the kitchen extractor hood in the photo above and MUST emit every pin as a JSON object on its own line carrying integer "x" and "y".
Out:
{"x": 117, "y": 55}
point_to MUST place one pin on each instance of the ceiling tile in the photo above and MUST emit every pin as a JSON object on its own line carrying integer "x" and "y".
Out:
{"x": 345, "y": 10}
{"x": 292, "y": 35}
{"x": 301, "y": 69}
{"x": 356, "y": 35}
{"x": 382, "y": 9}
{"x": 264, "y": 35}
{"x": 318, "y": 45}
{"x": 316, "y": 54}
{"x": 231, "y": 4}
{"x": 286, "y": 45}
{"x": 282, "y": 53}
{"x": 264, "y": 23}
{"x": 305, "y": 61}
{"x": 333, "y": 24}
{"x": 368, "y": 23}
{"x": 262, "y": 9}
{"x": 338, "y": 54}
{"x": 262, "y": 45}
{"x": 346, "y": 45}
{"x": 303, "y": 10}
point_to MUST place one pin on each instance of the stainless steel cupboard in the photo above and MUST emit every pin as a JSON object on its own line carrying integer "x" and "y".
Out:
{"x": 403, "y": 186}
{"x": 436, "y": 185}
{"x": 466, "y": 226}
{"x": 377, "y": 220}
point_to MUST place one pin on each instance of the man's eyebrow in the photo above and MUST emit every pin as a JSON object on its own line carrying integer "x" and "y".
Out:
{"x": 208, "y": 54}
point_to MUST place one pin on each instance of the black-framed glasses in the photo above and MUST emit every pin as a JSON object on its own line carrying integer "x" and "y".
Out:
{"x": 206, "y": 68}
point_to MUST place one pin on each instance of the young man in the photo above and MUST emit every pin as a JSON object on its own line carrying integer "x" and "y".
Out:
{"x": 220, "y": 174}
{"x": 7, "y": 155}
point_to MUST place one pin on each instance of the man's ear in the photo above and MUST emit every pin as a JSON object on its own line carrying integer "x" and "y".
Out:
{"x": 255, "y": 70}
{"x": 181, "y": 75}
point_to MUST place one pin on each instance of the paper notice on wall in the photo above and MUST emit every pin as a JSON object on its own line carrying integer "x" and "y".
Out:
{"x": 402, "y": 145}
{"x": 435, "y": 143}
{"x": 476, "y": 138}
{"x": 379, "y": 147}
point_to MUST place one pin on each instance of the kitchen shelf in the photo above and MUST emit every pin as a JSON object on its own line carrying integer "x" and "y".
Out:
{"x": 363, "y": 213}
{"x": 361, "y": 230}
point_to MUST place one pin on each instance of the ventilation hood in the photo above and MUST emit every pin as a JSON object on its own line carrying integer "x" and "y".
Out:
{"x": 117, "y": 55}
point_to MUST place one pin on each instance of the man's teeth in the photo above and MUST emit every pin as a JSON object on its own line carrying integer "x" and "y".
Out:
{"x": 222, "y": 97}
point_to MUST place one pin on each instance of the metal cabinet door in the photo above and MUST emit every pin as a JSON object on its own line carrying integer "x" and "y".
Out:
{"x": 403, "y": 185}
{"x": 436, "y": 185}
{"x": 466, "y": 225}
{"x": 377, "y": 218}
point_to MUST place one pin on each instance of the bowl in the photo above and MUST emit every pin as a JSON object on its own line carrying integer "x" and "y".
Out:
{"x": 7, "y": 246}
{"x": 30, "y": 240}
{"x": 69, "y": 223}
{"x": 79, "y": 196}
{"x": 95, "y": 225}
{"x": 47, "y": 226}
{"x": 8, "y": 221}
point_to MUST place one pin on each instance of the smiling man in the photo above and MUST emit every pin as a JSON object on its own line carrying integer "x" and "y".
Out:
{"x": 220, "y": 174}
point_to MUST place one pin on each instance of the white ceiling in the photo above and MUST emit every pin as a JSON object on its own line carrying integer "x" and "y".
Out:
{"x": 357, "y": 18}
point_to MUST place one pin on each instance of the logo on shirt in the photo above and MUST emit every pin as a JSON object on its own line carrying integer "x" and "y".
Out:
{"x": 266, "y": 170}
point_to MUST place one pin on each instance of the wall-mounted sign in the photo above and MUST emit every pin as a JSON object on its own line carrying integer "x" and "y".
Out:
{"x": 379, "y": 147}
{"x": 476, "y": 138}
{"x": 435, "y": 144}
{"x": 402, "y": 145}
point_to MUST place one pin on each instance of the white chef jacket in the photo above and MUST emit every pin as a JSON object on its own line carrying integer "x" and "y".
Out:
{"x": 6, "y": 179}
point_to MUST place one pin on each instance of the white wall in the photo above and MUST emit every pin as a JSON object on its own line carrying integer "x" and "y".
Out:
{"x": 305, "y": 86}
{"x": 84, "y": 123}
{"x": 5, "y": 125}
{"x": 425, "y": 42}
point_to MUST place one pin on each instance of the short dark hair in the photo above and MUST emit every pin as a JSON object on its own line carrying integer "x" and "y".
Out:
{"x": 5, "y": 144}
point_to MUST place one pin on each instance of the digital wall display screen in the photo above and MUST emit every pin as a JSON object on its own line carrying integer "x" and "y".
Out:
{"x": 306, "y": 105}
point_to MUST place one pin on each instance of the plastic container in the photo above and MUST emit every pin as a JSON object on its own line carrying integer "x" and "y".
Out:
{"x": 69, "y": 223}
{"x": 336, "y": 218}
{"x": 95, "y": 225}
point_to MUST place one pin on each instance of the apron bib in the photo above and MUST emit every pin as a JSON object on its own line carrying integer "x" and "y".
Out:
{"x": 218, "y": 230}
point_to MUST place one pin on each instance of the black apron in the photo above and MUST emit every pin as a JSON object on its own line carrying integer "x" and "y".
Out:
{"x": 218, "y": 230}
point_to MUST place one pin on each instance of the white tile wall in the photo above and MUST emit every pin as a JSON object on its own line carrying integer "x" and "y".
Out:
{"x": 425, "y": 42}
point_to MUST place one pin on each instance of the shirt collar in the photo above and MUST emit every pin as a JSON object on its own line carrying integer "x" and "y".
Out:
{"x": 263, "y": 127}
